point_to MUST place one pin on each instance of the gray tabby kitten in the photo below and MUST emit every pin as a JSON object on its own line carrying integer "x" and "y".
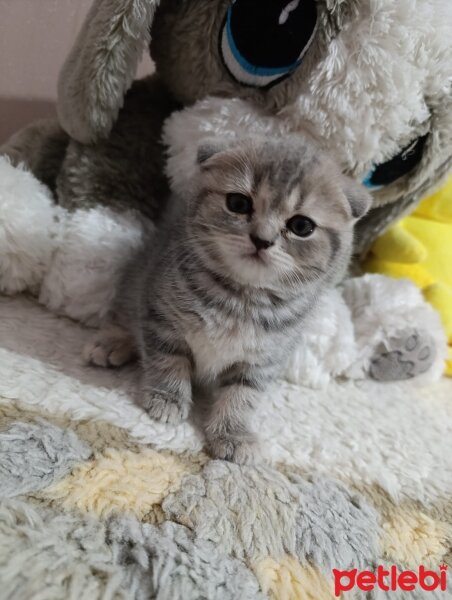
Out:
{"x": 218, "y": 298}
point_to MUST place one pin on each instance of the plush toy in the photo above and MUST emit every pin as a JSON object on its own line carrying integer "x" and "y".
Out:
{"x": 419, "y": 248}
{"x": 370, "y": 78}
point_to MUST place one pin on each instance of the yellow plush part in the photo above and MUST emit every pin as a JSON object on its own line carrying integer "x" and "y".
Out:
{"x": 289, "y": 580}
{"x": 439, "y": 206}
{"x": 119, "y": 481}
{"x": 400, "y": 243}
{"x": 412, "y": 538}
{"x": 419, "y": 248}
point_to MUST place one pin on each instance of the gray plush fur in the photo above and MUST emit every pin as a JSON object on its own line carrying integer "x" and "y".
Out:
{"x": 329, "y": 527}
{"x": 101, "y": 66}
{"x": 184, "y": 46}
{"x": 171, "y": 563}
{"x": 55, "y": 556}
{"x": 258, "y": 509}
{"x": 127, "y": 170}
{"x": 41, "y": 147}
{"x": 219, "y": 298}
{"x": 33, "y": 455}
{"x": 335, "y": 528}
{"x": 174, "y": 21}
{"x": 67, "y": 556}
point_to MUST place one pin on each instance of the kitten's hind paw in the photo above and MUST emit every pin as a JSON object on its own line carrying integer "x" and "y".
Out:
{"x": 236, "y": 450}
{"x": 112, "y": 347}
{"x": 404, "y": 356}
{"x": 165, "y": 408}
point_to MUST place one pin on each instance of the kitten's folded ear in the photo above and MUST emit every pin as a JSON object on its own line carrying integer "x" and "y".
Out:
{"x": 209, "y": 148}
{"x": 359, "y": 199}
{"x": 101, "y": 66}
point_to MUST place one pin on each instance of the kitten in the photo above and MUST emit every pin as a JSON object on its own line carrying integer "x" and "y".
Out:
{"x": 218, "y": 299}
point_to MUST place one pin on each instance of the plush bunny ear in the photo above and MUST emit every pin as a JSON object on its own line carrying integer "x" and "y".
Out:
{"x": 101, "y": 66}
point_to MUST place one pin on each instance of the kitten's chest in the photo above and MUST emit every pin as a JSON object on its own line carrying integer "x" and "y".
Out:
{"x": 215, "y": 349}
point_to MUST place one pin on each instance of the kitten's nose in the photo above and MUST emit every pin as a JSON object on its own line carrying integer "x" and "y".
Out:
{"x": 260, "y": 243}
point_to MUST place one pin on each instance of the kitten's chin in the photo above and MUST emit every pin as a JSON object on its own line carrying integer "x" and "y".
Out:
{"x": 246, "y": 266}
{"x": 252, "y": 270}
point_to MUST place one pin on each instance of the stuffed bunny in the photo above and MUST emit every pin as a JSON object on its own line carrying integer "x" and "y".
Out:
{"x": 373, "y": 78}
{"x": 370, "y": 79}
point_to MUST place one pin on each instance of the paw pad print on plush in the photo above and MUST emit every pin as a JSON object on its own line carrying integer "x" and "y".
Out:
{"x": 405, "y": 356}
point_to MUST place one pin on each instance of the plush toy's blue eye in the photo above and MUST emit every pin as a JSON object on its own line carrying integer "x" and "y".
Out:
{"x": 368, "y": 181}
{"x": 263, "y": 42}
{"x": 388, "y": 172}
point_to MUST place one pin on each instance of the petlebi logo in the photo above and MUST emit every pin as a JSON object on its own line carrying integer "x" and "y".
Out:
{"x": 390, "y": 580}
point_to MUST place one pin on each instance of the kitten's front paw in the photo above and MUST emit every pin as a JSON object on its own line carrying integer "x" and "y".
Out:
{"x": 236, "y": 450}
{"x": 165, "y": 408}
{"x": 111, "y": 347}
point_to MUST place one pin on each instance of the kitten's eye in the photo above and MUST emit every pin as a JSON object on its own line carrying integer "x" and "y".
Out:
{"x": 301, "y": 226}
{"x": 239, "y": 203}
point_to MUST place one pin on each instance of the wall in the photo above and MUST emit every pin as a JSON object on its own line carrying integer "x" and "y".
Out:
{"x": 35, "y": 37}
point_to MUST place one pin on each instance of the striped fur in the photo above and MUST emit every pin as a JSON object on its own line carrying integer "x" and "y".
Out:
{"x": 206, "y": 308}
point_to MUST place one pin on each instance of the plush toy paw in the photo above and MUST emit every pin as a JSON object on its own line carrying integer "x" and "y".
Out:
{"x": 387, "y": 316}
{"x": 409, "y": 353}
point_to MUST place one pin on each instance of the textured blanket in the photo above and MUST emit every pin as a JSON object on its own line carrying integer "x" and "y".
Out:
{"x": 97, "y": 501}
